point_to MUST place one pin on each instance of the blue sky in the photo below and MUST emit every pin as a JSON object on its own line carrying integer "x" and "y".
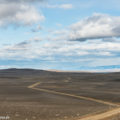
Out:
{"x": 62, "y": 35}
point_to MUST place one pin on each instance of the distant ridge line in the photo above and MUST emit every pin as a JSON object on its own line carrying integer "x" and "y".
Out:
{"x": 63, "y": 71}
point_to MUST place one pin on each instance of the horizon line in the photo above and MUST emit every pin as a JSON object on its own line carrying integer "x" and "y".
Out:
{"x": 70, "y": 71}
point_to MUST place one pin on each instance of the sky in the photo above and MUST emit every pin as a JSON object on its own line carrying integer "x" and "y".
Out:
{"x": 75, "y": 35}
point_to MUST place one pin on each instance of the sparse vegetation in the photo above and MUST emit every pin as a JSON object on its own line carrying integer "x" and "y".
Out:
{"x": 22, "y": 103}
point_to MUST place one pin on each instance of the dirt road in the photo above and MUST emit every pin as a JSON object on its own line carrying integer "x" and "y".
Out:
{"x": 92, "y": 117}
{"x": 103, "y": 115}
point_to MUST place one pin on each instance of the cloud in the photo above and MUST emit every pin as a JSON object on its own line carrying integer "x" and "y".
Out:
{"x": 16, "y": 13}
{"x": 37, "y": 29}
{"x": 58, "y": 52}
{"x": 97, "y": 26}
{"x": 62, "y": 6}
{"x": 39, "y": 48}
{"x": 66, "y": 6}
{"x": 19, "y": 1}
{"x": 4, "y": 66}
{"x": 100, "y": 30}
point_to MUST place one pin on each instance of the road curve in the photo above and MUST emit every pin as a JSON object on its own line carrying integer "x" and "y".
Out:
{"x": 103, "y": 115}
{"x": 70, "y": 95}
{"x": 100, "y": 116}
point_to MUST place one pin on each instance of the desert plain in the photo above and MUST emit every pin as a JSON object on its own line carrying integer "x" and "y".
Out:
{"x": 27, "y": 94}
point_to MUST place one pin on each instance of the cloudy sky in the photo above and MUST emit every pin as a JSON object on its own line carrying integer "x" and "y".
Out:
{"x": 60, "y": 34}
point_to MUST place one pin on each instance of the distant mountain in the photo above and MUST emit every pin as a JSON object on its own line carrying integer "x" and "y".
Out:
{"x": 13, "y": 72}
{"x": 22, "y": 72}
{"x": 32, "y": 72}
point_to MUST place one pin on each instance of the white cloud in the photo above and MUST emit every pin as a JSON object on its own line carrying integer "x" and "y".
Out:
{"x": 58, "y": 47}
{"x": 20, "y": 1}
{"x": 4, "y": 66}
{"x": 62, "y": 6}
{"x": 40, "y": 48}
{"x": 19, "y": 14}
{"x": 66, "y": 6}
{"x": 96, "y": 26}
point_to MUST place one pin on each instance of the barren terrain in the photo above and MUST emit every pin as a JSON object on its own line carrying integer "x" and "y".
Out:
{"x": 43, "y": 95}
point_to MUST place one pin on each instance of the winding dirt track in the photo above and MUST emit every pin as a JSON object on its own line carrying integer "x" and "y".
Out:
{"x": 103, "y": 115}
{"x": 100, "y": 116}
